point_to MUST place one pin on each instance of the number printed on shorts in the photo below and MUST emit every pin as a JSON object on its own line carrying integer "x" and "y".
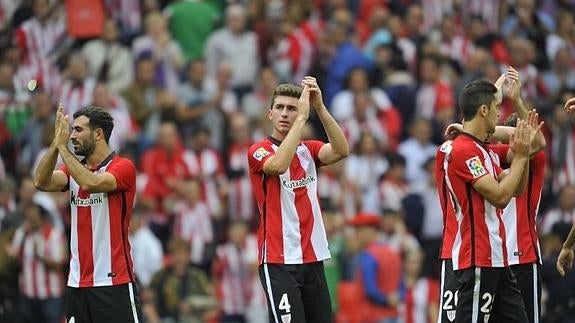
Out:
{"x": 450, "y": 297}
{"x": 284, "y": 303}
{"x": 488, "y": 298}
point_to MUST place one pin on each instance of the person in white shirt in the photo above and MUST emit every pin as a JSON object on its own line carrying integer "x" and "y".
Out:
{"x": 146, "y": 250}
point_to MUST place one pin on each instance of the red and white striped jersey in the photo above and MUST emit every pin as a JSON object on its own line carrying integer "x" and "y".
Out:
{"x": 446, "y": 201}
{"x": 235, "y": 269}
{"x": 520, "y": 216}
{"x": 193, "y": 224}
{"x": 37, "y": 281}
{"x": 207, "y": 166}
{"x": 241, "y": 202}
{"x": 291, "y": 229}
{"x": 418, "y": 298}
{"x": 563, "y": 159}
{"x": 37, "y": 40}
{"x": 75, "y": 98}
{"x": 99, "y": 245}
{"x": 480, "y": 239}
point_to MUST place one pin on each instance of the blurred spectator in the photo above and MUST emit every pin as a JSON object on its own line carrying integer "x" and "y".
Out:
{"x": 197, "y": 95}
{"x": 237, "y": 47}
{"x": 356, "y": 82}
{"x": 192, "y": 223}
{"x": 206, "y": 164}
{"x": 236, "y": 271}
{"x": 563, "y": 212}
{"x": 560, "y": 301}
{"x": 334, "y": 229}
{"x": 421, "y": 304}
{"x": 378, "y": 32}
{"x": 362, "y": 170}
{"x": 149, "y": 105}
{"x": 78, "y": 87}
{"x": 344, "y": 57}
{"x": 434, "y": 98}
{"x": 14, "y": 101}
{"x": 7, "y": 198}
{"x": 330, "y": 190}
{"x": 179, "y": 293}
{"x": 454, "y": 45}
{"x": 563, "y": 37}
{"x": 527, "y": 21}
{"x": 562, "y": 145}
{"x": 424, "y": 217}
{"x": 31, "y": 137}
{"x": 393, "y": 186}
{"x": 521, "y": 56}
{"x": 225, "y": 103}
{"x": 128, "y": 14}
{"x": 191, "y": 23}
{"x": 41, "y": 250}
{"x": 561, "y": 74}
{"x": 118, "y": 109}
{"x": 165, "y": 170}
{"x": 158, "y": 44}
{"x": 146, "y": 249}
{"x": 108, "y": 60}
{"x": 378, "y": 274}
{"x": 255, "y": 104}
{"x": 39, "y": 36}
{"x": 394, "y": 232}
{"x": 240, "y": 203}
{"x": 417, "y": 149}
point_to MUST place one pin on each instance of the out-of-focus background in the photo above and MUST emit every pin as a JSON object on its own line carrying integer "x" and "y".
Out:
{"x": 188, "y": 84}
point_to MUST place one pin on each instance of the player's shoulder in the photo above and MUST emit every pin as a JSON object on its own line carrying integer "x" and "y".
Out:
{"x": 260, "y": 149}
{"x": 122, "y": 162}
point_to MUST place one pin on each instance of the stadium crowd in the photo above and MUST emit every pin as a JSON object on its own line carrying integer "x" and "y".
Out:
{"x": 188, "y": 84}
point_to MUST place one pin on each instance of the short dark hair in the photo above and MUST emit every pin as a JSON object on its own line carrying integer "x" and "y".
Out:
{"x": 286, "y": 89}
{"x": 98, "y": 118}
{"x": 475, "y": 94}
{"x": 511, "y": 121}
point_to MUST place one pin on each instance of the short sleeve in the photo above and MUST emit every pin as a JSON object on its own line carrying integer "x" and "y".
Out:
{"x": 314, "y": 146}
{"x": 257, "y": 156}
{"x": 467, "y": 164}
{"x": 125, "y": 173}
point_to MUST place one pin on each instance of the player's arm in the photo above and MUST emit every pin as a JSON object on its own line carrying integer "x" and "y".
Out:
{"x": 337, "y": 148}
{"x": 280, "y": 161}
{"x": 88, "y": 181}
{"x": 45, "y": 177}
{"x": 565, "y": 259}
{"x": 499, "y": 193}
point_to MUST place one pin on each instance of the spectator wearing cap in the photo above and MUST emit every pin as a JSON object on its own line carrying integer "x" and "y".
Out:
{"x": 378, "y": 275}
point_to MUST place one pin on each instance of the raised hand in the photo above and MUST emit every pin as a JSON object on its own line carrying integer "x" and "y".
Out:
{"x": 520, "y": 142}
{"x": 564, "y": 261}
{"x": 513, "y": 84}
{"x": 452, "y": 129}
{"x": 315, "y": 97}
{"x": 303, "y": 103}
{"x": 62, "y": 128}
{"x": 570, "y": 105}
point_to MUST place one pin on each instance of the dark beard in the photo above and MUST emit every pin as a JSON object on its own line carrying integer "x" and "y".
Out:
{"x": 86, "y": 149}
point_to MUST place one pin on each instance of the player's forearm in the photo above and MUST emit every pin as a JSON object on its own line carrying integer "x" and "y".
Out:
{"x": 79, "y": 172}
{"x": 503, "y": 133}
{"x": 570, "y": 241}
{"x": 286, "y": 150}
{"x": 43, "y": 174}
{"x": 333, "y": 131}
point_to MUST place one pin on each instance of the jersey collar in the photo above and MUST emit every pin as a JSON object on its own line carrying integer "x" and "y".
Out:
{"x": 472, "y": 137}
{"x": 103, "y": 163}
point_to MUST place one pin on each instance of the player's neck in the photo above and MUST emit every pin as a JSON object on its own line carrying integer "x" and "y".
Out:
{"x": 476, "y": 129}
{"x": 98, "y": 156}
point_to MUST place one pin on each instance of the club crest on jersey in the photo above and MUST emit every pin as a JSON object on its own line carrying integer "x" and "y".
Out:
{"x": 475, "y": 167}
{"x": 260, "y": 153}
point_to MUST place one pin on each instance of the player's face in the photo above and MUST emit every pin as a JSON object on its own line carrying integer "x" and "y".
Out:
{"x": 282, "y": 114}
{"x": 82, "y": 137}
{"x": 494, "y": 113}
